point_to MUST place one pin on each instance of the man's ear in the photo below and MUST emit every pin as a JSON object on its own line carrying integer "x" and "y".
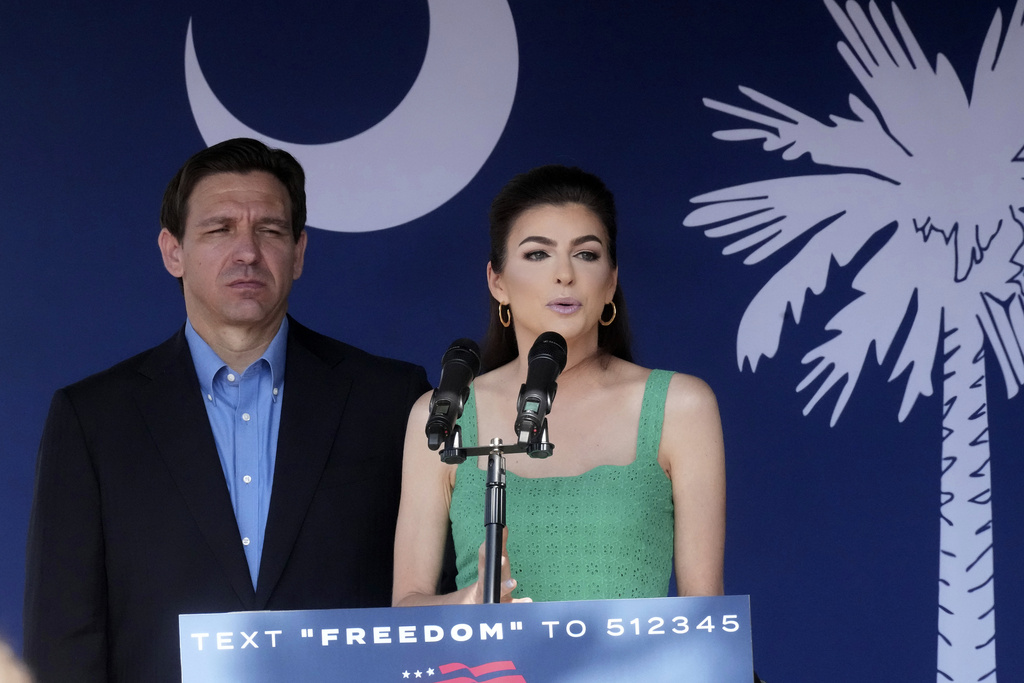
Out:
{"x": 170, "y": 249}
{"x": 300, "y": 255}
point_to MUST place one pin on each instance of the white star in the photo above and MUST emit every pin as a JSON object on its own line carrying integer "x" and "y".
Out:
{"x": 419, "y": 674}
{"x": 405, "y": 674}
{"x": 430, "y": 672}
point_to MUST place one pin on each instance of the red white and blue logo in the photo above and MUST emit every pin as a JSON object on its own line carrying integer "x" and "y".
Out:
{"x": 491, "y": 672}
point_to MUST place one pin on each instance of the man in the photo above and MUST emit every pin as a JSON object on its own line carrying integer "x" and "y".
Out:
{"x": 247, "y": 463}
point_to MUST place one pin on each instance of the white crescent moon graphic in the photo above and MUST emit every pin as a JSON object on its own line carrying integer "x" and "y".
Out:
{"x": 422, "y": 153}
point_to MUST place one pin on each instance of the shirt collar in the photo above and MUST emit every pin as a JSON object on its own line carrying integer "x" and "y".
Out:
{"x": 208, "y": 363}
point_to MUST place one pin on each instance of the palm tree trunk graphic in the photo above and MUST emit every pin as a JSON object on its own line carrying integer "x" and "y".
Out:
{"x": 967, "y": 636}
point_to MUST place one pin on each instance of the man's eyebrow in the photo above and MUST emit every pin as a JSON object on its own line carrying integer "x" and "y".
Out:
{"x": 215, "y": 220}
{"x": 280, "y": 222}
{"x": 221, "y": 219}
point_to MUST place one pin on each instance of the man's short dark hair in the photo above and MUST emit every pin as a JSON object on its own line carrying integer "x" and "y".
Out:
{"x": 240, "y": 155}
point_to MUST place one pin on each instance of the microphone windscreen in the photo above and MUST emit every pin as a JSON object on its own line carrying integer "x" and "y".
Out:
{"x": 551, "y": 345}
{"x": 465, "y": 351}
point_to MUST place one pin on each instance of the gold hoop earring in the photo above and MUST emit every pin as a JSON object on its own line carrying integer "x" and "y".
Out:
{"x": 505, "y": 322}
{"x": 610, "y": 320}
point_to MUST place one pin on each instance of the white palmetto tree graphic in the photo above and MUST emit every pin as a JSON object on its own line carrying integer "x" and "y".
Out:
{"x": 945, "y": 170}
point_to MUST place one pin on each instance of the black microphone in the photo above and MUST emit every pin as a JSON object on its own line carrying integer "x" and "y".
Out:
{"x": 546, "y": 361}
{"x": 459, "y": 366}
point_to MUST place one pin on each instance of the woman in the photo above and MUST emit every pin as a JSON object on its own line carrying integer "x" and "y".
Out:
{"x": 637, "y": 477}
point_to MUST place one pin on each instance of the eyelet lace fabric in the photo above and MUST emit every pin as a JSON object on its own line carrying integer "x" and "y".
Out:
{"x": 604, "y": 534}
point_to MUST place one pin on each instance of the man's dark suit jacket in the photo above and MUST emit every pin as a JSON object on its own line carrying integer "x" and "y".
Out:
{"x": 132, "y": 523}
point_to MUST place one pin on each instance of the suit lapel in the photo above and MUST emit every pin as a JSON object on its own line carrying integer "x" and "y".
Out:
{"x": 173, "y": 409}
{"x": 315, "y": 394}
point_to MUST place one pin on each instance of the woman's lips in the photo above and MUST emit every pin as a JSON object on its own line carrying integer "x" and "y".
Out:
{"x": 564, "y": 305}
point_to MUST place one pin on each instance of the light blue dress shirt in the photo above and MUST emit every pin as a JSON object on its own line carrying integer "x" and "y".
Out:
{"x": 245, "y": 415}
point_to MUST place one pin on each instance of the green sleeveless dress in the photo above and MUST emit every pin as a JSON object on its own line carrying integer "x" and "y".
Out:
{"x": 606, "y": 533}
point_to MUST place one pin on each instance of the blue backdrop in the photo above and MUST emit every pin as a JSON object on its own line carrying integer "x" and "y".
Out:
{"x": 834, "y": 531}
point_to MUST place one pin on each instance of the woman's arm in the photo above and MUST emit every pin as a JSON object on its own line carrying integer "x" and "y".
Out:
{"x": 423, "y": 524}
{"x": 693, "y": 454}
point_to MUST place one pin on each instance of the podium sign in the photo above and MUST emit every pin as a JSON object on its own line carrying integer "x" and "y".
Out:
{"x": 697, "y": 640}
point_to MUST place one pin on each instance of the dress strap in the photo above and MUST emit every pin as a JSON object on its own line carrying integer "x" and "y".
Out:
{"x": 652, "y": 414}
{"x": 470, "y": 435}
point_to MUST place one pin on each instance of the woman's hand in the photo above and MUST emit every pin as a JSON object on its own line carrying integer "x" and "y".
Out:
{"x": 508, "y": 584}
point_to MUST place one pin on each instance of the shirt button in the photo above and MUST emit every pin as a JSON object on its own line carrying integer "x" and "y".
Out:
{"x": 245, "y": 541}
{"x": 209, "y": 397}
{"x": 275, "y": 391}
{"x": 247, "y": 479}
{"x": 231, "y": 378}
{"x": 245, "y": 416}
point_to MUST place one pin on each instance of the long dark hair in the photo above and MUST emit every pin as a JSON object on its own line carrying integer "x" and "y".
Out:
{"x": 552, "y": 185}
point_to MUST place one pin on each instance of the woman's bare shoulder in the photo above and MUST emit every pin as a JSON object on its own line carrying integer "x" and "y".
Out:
{"x": 690, "y": 393}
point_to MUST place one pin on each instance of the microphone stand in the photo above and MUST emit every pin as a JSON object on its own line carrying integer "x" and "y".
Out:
{"x": 494, "y": 495}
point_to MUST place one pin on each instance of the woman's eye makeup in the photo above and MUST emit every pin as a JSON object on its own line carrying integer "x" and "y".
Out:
{"x": 540, "y": 255}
